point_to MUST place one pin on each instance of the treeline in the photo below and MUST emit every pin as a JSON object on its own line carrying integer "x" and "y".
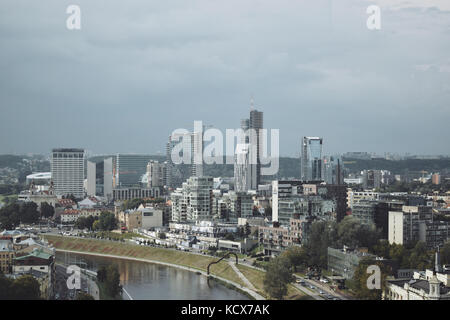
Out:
{"x": 398, "y": 166}
{"x": 416, "y": 186}
{"x": 10, "y": 189}
{"x": 105, "y": 222}
{"x": 352, "y": 233}
{"x": 13, "y": 214}
{"x": 23, "y": 288}
{"x": 135, "y": 203}
{"x": 323, "y": 234}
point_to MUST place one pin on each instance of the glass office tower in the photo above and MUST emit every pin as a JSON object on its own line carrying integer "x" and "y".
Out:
{"x": 311, "y": 159}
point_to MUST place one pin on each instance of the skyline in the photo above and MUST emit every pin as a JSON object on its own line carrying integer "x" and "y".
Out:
{"x": 125, "y": 86}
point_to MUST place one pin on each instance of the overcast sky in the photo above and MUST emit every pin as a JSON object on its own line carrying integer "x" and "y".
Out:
{"x": 138, "y": 69}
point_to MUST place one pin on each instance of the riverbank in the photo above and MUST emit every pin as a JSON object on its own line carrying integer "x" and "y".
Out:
{"x": 172, "y": 258}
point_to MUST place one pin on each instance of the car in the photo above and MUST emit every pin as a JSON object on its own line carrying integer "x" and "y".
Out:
{"x": 312, "y": 287}
{"x": 298, "y": 281}
{"x": 321, "y": 292}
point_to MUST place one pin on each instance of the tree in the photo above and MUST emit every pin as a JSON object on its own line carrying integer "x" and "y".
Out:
{"x": 85, "y": 222}
{"x": 26, "y": 288}
{"x": 445, "y": 253}
{"x": 96, "y": 225}
{"x": 359, "y": 281}
{"x": 322, "y": 235}
{"x": 47, "y": 211}
{"x": 277, "y": 277}
{"x": 5, "y": 287}
{"x": 101, "y": 274}
{"x": 296, "y": 256}
{"x": 247, "y": 230}
{"x": 112, "y": 282}
{"x": 229, "y": 237}
{"x": 352, "y": 233}
{"x": 420, "y": 258}
{"x": 28, "y": 212}
{"x": 107, "y": 221}
{"x": 382, "y": 248}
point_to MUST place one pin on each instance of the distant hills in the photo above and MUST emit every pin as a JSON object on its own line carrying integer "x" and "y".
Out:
{"x": 289, "y": 167}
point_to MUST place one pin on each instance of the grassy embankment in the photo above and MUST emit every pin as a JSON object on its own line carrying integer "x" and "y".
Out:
{"x": 194, "y": 261}
{"x": 256, "y": 277}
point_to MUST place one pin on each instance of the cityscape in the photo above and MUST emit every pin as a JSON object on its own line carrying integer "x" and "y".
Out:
{"x": 288, "y": 202}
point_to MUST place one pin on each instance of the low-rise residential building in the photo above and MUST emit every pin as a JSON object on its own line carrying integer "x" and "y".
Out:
{"x": 70, "y": 216}
{"x": 144, "y": 217}
{"x": 354, "y": 197}
{"x": 41, "y": 266}
{"x": 128, "y": 193}
{"x": 275, "y": 239}
{"x": 211, "y": 229}
{"x": 242, "y": 246}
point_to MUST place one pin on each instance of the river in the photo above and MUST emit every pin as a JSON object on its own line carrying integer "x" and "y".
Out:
{"x": 148, "y": 281}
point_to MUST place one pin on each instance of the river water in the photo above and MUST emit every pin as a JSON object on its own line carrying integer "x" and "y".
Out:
{"x": 148, "y": 281}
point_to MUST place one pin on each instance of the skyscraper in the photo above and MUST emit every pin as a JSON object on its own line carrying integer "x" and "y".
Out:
{"x": 332, "y": 170}
{"x": 311, "y": 159}
{"x": 256, "y": 123}
{"x": 67, "y": 166}
{"x": 242, "y": 178}
{"x": 249, "y": 177}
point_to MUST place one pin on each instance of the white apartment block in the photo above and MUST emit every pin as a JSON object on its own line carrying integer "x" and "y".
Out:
{"x": 67, "y": 166}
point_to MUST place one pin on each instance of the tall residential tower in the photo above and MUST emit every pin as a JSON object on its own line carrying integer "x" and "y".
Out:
{"x": 67, "y": 166}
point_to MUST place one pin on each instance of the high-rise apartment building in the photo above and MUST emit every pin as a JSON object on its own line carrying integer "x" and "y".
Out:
{"x": 193, "y": 201}
{"x": 67, "y": 166}
{"x": 311, "y": 159}
{"x": 242, "y": 177}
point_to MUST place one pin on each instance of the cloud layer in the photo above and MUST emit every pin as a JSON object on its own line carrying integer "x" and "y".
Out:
{"x": 139, "y": 69}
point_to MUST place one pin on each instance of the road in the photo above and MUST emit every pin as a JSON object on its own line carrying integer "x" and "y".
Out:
{"x": 328, "y": 293}
{"x": 62, "y": 292}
